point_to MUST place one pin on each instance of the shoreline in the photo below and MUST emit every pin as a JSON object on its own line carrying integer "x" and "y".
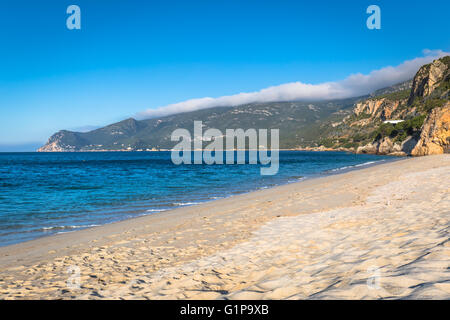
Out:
{"x": 307, "y": 149}
{"x": 336, "y": 171}
{"x": 187, "y": 209}
{"x": 154, "y": 247}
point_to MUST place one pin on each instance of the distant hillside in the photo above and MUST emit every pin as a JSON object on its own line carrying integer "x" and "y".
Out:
{"x": 299, "y": 124}
{"x": 395, "y": 88}
{"x": 354, "y": 124}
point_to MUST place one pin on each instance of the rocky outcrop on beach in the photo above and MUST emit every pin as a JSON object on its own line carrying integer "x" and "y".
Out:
{"x": 388, "y": 147}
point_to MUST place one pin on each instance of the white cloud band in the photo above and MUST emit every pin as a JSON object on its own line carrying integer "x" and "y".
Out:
{"x": 353, "y": 86}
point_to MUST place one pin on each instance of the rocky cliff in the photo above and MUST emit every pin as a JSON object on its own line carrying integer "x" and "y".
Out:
{"x": 377, "y": 108}
{"x": 62, "y": 141}
{"x": 429, "y": 78}
{"x": 435, "y": 135}
{"x": 412, "y": 121}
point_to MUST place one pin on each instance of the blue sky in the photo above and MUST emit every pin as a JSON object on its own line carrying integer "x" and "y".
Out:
{"x": 130, "y": 56}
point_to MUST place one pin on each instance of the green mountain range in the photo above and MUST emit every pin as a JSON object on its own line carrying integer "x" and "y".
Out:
{"x": 346, "y": 124}
{"x": 299, "y": 123}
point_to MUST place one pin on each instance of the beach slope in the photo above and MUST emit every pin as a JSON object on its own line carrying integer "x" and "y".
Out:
{"x": 378, "y": 232}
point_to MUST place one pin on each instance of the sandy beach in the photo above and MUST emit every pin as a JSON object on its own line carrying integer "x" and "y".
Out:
{"x": 378, "y": 232}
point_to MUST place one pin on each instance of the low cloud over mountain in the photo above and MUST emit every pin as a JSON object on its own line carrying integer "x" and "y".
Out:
{"x": 354, "y": 85}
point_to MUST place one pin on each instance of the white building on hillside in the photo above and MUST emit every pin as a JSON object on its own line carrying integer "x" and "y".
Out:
{"x": 393, "y": 121}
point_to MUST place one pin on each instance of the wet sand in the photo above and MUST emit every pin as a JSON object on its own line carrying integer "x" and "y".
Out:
{"x": 378, "y": 232}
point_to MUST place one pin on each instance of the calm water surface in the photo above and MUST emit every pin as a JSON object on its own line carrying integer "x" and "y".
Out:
{"x": 46, "y": 193}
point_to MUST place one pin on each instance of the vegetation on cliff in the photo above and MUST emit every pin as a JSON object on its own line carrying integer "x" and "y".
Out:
{"x": 370, "y": 129}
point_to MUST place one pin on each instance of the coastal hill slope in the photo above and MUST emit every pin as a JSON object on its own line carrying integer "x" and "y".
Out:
{"x": 299, "y": 123}
{"x": 418, "y": 109}
{"x": 413, "y": 121}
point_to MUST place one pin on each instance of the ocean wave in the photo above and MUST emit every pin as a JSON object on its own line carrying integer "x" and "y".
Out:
{"x": 79, "y": 187}
{"x": 7, "y": 184}
{"x": 67, "y": 227}
{"x": 295, "y": 179}
{"x": 182, "y": 204}
{"x": 214, "y": 198}
{"x": 156, "y": 210}
{"x": 356, "y": 165}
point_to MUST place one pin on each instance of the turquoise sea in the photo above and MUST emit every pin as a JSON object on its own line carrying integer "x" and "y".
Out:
{"x": 47, "y": 193}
